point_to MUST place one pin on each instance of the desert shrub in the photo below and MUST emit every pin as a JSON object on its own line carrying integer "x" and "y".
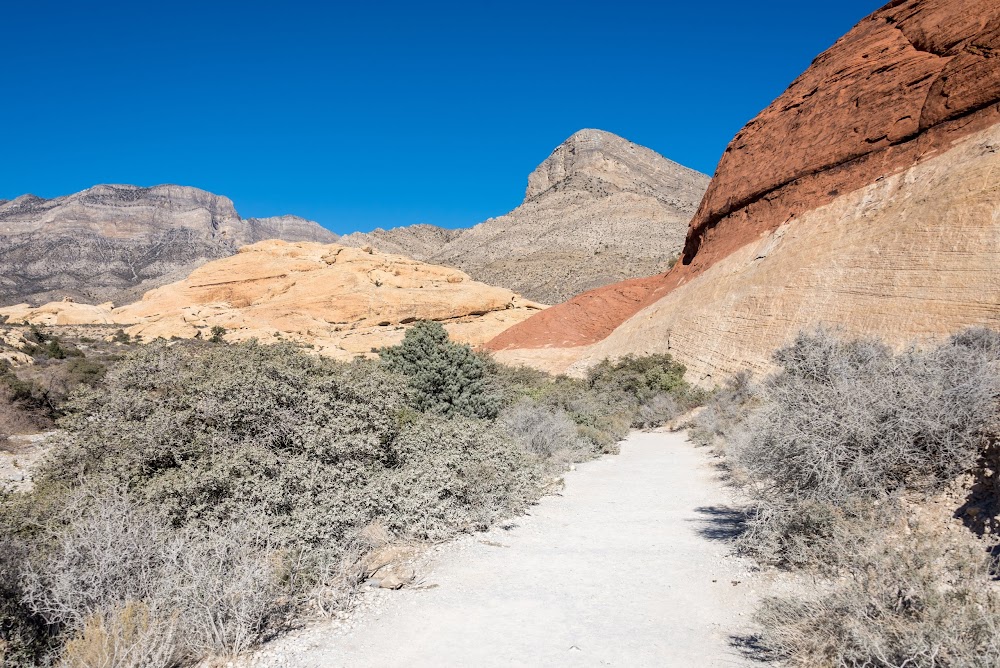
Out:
{"x": 36, "y": 335}
{"x": 218, "y": 332}
{"x": 126, "y": 586}
{"x": 456, "y": 474}
{"x": 725, "y": 410}
{"x": 198, "y": 495}
{"x": 847, "y": 419}
{"x": 24, "y": 636}
{"x": 656, "y": 410}
{"x": 125, "y": 637}
{"x": 204, "y": 433}
{"x": 638, "y": 377}
{"x": 653, "y": 385}
{"x": 24, "y": 405}
{"x": 84, "y": 371}
{"x": 121, "y": 336}
{"x": 829, "y": 447}
{"x": 42, "y": 345}
{"x": 162, "y": 463}
{"x": 543, "y": 430}
{"x": 905, "y": 601}
{"x": 816, "y": 535}
{"x": 13, "y": 418}
{"x": 602, "y": 419}
{"x": 447, "y": 378}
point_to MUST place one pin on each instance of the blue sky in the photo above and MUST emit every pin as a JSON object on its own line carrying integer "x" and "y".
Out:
{"x": 369, "y": 114}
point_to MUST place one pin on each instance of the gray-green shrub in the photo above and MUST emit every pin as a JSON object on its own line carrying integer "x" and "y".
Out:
{"x": 199, "y": 493}
{"x": 653, "y": 386}
{"x": 446, "y": 377}
{"x": 830, "y": 446}
{"x": 542, "y": 430}
{"x": 151, "y": 486}
{"x": 926, "y": 602}
{"x": 847, "y": 418}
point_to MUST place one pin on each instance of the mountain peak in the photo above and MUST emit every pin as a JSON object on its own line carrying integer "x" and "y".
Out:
{"x": 603, "y": 163}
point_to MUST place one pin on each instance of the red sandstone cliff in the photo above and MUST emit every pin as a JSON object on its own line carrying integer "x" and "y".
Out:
{"x": 903, "y": 86}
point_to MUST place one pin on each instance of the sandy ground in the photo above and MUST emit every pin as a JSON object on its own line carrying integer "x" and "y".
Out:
{"x": 18, "y": 456}
{"x": 626, "y": 568}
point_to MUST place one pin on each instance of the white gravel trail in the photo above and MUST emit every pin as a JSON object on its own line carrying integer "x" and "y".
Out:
{"x": 623, "y": 569}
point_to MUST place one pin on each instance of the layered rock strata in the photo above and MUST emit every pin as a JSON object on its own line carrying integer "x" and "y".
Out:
{"x": 114, "y": 242}
{"x": 838, "y": 156}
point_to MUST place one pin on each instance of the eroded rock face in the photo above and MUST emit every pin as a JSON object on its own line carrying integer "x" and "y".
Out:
{"x": 904, "y": 86}
{"x": 900, "y": 87}
{"x": 598, "y": 210}
{"x": 114, "y": 242}
{"x": 343, "y": 301}
{"x": 910, "y": 258}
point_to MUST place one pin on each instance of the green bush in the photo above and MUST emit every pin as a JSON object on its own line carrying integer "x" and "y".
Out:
{"x": 639, "y": 377}
{"x": 218, "y": 332}
{"x": 204, "y": 433}
{"x": 446, "y": 377}
{"x": 652, "y": 385}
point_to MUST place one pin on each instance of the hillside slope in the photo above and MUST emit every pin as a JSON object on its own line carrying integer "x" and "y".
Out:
{"x": 114, "y": 242}
{"x": 599, "y": 209}
{"x": 861, "y": 198}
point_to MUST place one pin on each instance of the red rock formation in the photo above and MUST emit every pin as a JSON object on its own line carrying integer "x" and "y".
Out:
{"x": 904, "y": 84}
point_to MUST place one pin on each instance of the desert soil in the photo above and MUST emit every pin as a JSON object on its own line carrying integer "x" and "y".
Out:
{"x": 626, "y": 567}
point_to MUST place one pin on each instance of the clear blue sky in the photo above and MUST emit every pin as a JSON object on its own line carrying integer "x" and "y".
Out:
{"x": 368, "y": 114}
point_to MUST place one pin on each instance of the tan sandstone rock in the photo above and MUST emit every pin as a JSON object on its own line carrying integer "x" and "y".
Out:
{"x": 344, "y": 301}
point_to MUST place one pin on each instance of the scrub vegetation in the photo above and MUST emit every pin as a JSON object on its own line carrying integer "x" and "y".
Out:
{"x": 873, "y": 472}
{"x": 200, "y": 497}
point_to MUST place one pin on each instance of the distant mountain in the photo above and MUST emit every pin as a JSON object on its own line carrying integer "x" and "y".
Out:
{"x": 115, "y": 242}
{"x": 416, "y": 241}
{"x": 599, "y": 209}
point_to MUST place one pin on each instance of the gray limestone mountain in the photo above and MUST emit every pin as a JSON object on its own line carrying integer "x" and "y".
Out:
{"x": 115, "y": 242}
{"x": 417, "y": 241}
{"x": 598, "y": 210}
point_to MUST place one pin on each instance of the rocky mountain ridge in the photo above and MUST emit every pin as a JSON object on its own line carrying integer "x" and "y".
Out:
{"x": 599, "y": 209}
{"x": 114, "y": 242}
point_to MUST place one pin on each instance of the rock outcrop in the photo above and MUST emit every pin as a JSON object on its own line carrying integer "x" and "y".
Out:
{"x": 598, "y": 210}
{"x": 114, "y": 242}
{"x": 342, "y": 301}
{"x": 863, "y": 197}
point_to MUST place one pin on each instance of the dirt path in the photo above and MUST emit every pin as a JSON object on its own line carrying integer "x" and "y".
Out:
{"x": 624, "y": 569}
